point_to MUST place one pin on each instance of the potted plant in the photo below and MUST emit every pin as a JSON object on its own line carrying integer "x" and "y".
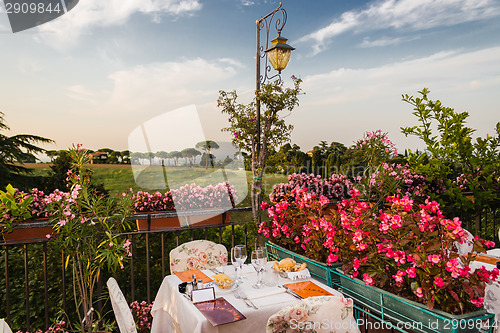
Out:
{"x": 87, "y": 228}
{"x": 404, "y": 251}
{"x": 23, "y": 216}
{"x": 188, "y": 205}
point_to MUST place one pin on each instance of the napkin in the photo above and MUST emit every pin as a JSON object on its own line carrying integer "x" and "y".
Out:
{"x": 268, "y": 296}
{"x": 303, "y": 274}
{"x": 265, "y": 292}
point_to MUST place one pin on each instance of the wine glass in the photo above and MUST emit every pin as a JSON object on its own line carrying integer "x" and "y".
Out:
{"x": 238, "y": 258}
{"x": 259, "y": 262}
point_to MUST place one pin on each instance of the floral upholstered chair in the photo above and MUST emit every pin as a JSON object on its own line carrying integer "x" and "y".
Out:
{"x": 198, "y": 254}
{"x": 321, "y": 314}
{"x": 467, "y": 246}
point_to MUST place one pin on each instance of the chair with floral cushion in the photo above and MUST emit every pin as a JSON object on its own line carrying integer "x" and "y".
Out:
{"x": 467, "y": 245}
{"x": 320, "y": 314}
{"x": 198, "y": 254}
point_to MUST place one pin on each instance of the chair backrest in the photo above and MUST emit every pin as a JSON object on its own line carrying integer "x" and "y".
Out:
{"x": 467, "y": 245}
{"x": 4, "y": 328}
{"x": 321, "y": 314}
{"x": 198, "y": 254}
{"x": 123, "y": 315}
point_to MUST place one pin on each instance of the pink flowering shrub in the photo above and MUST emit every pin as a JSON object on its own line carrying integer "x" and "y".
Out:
{"x": 334, "y": 188}
{"x": 142, "y": 316}
{"x": 391, "y": 178}
{"x": 190, "y": 196}
{"x": 151, "y": 202}
{"x": 376, "y": 148}
{"x": 404, "y": 249}
{"x": 187, "y": 197}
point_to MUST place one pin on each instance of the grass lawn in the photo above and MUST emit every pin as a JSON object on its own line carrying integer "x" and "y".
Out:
{"x": 117, "y": 178}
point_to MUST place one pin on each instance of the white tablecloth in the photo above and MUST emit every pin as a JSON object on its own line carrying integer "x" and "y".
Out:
{"x": 172, "y": 312}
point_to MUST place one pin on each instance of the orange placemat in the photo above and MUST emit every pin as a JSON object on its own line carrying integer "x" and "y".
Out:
{"x": 307, "y": 289}
{"x": 187, "y": 276}
{"x": 487, "y": 259}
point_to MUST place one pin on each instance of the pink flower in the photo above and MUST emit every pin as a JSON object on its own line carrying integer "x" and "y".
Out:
{"x": 368, "y": 279}
{"x": 478, "y": 302}
{"x": 434, "y": 258}
{"x": 438, "y": 282}
{"x": 419, "y": 292}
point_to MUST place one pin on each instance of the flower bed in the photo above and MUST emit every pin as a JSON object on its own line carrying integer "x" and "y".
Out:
{"x": 404, "y": 249}
{"x": 190, "y": 205}
{"x": 407, "y": 314}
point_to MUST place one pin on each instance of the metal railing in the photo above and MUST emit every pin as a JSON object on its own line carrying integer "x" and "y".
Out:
{"x": 38, "y": 284}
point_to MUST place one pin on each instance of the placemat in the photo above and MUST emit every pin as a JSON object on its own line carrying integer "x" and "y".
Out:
{"x": 307, "y": 289}
{"x": 187, "y": 276}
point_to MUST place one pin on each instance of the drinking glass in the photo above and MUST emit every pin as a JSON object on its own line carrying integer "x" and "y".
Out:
{"x": 259, "y": 262}
{"x": 238, "y": 258}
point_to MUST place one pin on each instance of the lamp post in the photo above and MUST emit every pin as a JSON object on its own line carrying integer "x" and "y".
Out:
{"x": 278, "y": 55}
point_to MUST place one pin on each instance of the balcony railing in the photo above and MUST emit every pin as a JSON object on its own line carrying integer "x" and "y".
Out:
{"x": 38, "y": 287}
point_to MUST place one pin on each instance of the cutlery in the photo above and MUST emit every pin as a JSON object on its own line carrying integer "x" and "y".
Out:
{"x": 245, "y": 298}
{"x": 291, "y": 292}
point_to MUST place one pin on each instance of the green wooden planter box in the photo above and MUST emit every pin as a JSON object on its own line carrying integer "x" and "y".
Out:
{"x": 320, "y": 271}
{"x": 409, "y": 315}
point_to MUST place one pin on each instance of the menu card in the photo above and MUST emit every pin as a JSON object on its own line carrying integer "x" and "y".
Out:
{"x": 187, "y": 276}
{"x": 307, "y": 289}
{"x": 219, "y": 311}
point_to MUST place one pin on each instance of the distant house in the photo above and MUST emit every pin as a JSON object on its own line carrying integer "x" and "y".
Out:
{"x": 310, "y": 153}
{"x": 99, "y": 157}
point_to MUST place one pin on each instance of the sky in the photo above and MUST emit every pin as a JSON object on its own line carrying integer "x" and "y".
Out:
{"x": 97, "y": 74}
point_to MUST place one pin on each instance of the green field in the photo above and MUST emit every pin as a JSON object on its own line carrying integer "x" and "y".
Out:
{"x": 117, "y": 178}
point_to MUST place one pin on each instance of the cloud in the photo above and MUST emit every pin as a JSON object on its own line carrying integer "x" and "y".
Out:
{"x": 384, "y": 42}
{"x": 477, "y": 69}
{"x": 170, "y": 84}
{"x": 247, "y": 2}
{"x": 83, "y": 94}
{"x": 404, "y": 14}
{"x": 92, "y": 13}
{"x": 349, "y": 101}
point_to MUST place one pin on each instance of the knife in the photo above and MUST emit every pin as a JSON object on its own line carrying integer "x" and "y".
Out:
{"x": 291, "y": 292}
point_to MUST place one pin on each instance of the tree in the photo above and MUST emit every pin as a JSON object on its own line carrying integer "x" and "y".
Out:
{"x": 452, "y": 156}
{"x": 175, "y": 155}
{"x": 162, "y": 155}
{"x": 16, "y": 149}
{"x": 125, "y": 156}
{"x": 274, "y": 100}
{"x": 207, "y": 159}
{"x": 190, "y": 155}
{"x": 207, "y": 147}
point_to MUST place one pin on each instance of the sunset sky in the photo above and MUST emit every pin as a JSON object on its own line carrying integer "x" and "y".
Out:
{"x": 98, "y": 72}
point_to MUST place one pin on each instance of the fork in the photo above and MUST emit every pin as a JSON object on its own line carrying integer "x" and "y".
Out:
{"x": 246, "y": 299}
{"x": 238, "y": 295}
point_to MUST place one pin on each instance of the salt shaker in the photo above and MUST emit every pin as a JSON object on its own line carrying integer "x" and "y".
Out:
{"x": 199, "y": 284}
{"x": 195, "y": 282}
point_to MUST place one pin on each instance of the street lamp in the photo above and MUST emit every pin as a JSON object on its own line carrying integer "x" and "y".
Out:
{"x": 278, "y": 54}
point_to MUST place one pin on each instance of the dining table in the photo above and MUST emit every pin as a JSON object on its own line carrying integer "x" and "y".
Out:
{"x": 173, "y": 312}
